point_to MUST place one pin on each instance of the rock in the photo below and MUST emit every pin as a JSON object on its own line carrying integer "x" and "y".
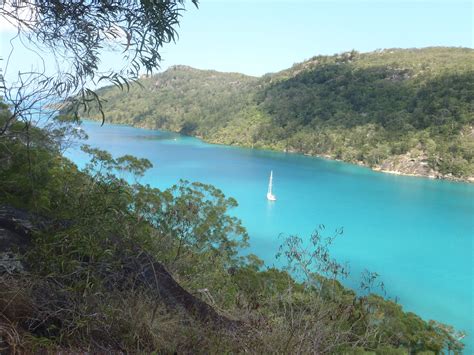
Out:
{"x": 10, "y": 262}
{"x": 154, "y": 276}
{"x": 20, "y": 225}
{"x": 407, "y": 164}
{"x": 16, "y": 229}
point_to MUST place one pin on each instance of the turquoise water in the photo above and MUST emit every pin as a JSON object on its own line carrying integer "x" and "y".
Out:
{"x": 416, "y": 233}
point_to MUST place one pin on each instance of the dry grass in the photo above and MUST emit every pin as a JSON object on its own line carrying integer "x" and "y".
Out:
{"x": 43, "y": 316}
{"x": 33, "y": 319}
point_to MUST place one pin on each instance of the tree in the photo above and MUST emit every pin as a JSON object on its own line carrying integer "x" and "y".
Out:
{"x": 76, "y": 32}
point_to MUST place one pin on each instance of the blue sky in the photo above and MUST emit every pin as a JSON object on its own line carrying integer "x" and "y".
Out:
{"x": 259, "y": 36}
{"x": 255, "y": 37}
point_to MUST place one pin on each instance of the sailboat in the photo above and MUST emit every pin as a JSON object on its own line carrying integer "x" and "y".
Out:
{"x": 270, "y": 195}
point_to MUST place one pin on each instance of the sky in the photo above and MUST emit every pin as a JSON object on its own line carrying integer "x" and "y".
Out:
{"x": 256, "y": 37}
{"x": 261, "y": 36}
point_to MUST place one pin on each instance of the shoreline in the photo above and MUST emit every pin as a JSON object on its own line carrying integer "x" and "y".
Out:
{"x": 378, "y": 169}
{"x": 469, "y": 180}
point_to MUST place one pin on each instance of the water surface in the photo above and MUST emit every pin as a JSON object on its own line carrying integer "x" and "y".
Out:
{"x": 416, "y": 233}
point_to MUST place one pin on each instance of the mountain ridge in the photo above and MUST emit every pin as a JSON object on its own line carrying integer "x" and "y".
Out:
{"x": 406, "y": 111}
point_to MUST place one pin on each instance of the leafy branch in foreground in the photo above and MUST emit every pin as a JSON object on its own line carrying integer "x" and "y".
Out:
{"x": 72, "y": 36}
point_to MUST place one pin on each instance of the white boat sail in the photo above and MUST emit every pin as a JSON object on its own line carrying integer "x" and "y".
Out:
{"x": 270, "y": 195}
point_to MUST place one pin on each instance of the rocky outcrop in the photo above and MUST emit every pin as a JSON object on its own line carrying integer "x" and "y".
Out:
{"x": 152, "y": 275}
{"x": 414, "y": 163}
{"x": 408, "y": 164}
{"x": 16, "y": 228}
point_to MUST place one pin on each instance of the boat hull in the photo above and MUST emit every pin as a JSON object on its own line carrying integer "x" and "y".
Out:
{"x": 271, "y": 197}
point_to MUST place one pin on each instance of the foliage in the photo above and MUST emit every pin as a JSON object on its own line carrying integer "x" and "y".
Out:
{"x": 371, "y": 108}
{"x": 69, "y": 300}
{"x": 75, "y": 34}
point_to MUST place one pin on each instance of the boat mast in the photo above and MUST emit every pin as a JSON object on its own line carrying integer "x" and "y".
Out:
{"x": 270, "y": 183}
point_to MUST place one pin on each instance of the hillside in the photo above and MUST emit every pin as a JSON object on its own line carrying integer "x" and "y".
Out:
{"x": 91, "y": 263}
{"x": 408, "y": 111}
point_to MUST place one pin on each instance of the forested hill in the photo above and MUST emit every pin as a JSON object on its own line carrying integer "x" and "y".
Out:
{"x": 403, "y": 110}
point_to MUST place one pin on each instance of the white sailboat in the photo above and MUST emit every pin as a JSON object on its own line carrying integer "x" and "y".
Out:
{"x": 270, "y": 195}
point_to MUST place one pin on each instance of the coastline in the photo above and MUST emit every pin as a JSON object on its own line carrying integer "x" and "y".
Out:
{"x": 380, "y": 168}
{"x": 421, "y": 187}
{"x": 469, "y": 180}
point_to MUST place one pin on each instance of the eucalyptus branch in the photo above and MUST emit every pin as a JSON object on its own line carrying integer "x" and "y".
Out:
{"x": 76, "y": 33}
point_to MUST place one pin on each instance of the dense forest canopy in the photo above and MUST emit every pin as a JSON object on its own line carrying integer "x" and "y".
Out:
{"x": 394, "y": 109}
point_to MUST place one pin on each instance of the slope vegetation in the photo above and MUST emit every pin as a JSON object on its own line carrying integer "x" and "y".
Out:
{"x": 402, "y": 110}
{"x": 91, "y": 263}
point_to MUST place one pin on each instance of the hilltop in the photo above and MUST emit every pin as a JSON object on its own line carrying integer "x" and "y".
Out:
{"x": 406, "y": 111}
